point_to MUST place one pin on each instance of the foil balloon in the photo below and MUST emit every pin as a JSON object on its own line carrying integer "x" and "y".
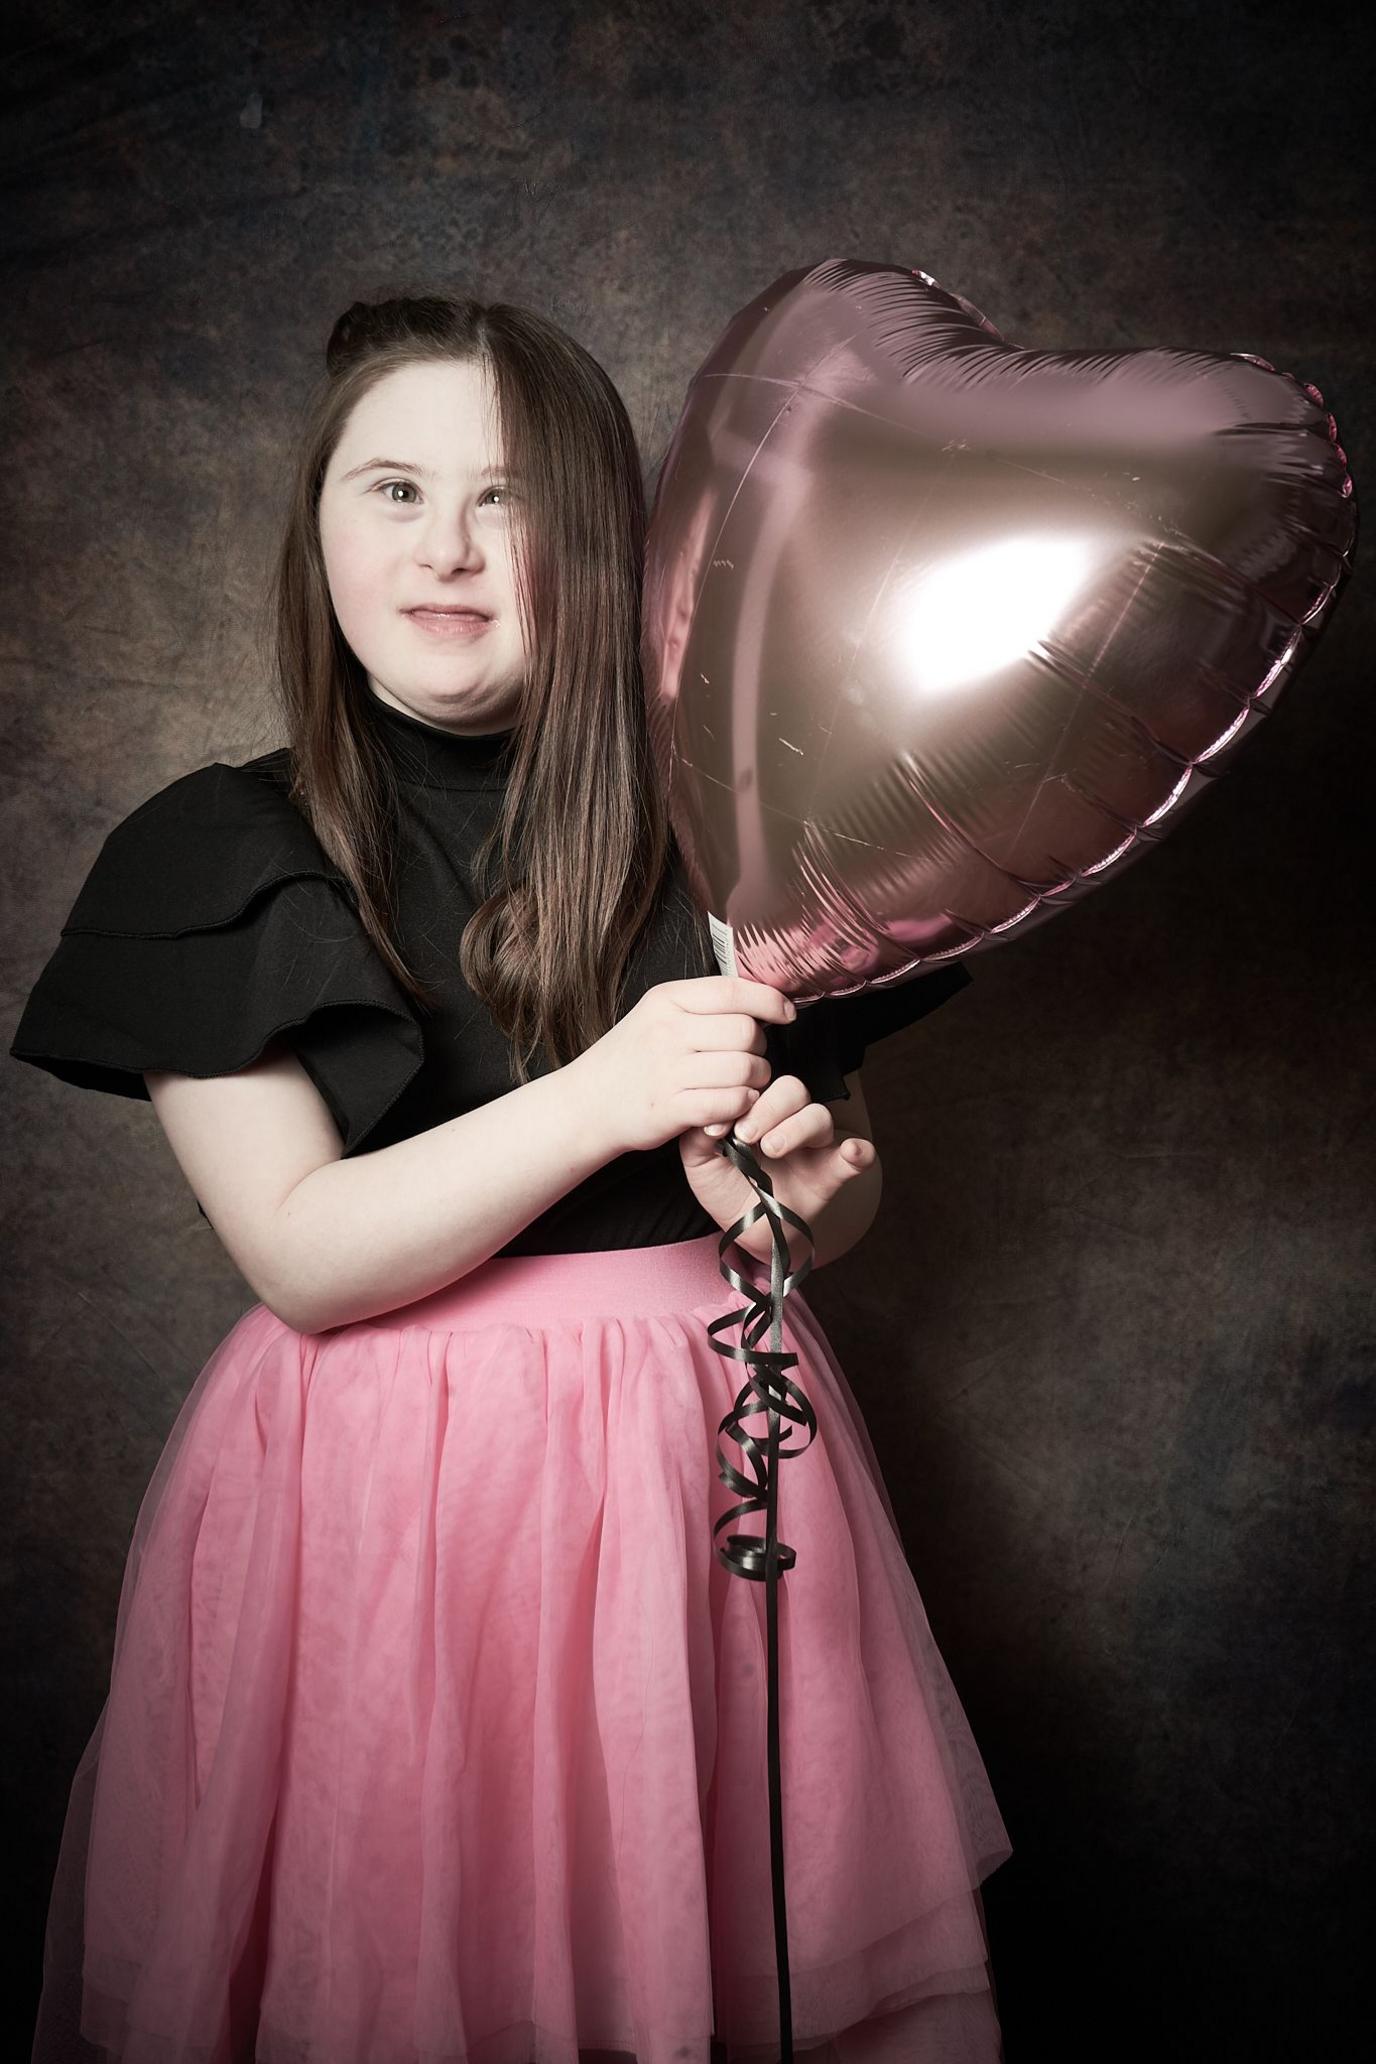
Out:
{"x": 941, "y": 633}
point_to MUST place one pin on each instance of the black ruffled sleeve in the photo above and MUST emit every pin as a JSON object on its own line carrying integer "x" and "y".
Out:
{"x": 827, "y": 1040}
{"x": 211, "y": 923}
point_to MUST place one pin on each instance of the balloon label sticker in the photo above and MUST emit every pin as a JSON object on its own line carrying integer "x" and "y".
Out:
{"x": 723, "y": 944}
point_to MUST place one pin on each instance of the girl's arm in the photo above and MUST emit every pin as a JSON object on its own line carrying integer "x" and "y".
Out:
{"x": 323, "y": 1241}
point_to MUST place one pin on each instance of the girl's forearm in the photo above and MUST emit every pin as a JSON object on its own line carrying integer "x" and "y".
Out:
{"x": 364, "y": 1235}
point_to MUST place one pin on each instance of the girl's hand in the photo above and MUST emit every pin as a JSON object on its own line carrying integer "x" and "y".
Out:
{"x": 687, "y": 1053}
{"x": 800, "y": 1149}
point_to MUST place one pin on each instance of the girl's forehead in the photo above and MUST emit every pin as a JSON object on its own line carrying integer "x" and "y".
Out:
{"x": 443, "y": 390}
{"x": 434, "y": 415}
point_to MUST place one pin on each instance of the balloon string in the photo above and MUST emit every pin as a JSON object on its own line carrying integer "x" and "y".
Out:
{"x": 744, "y": 1555}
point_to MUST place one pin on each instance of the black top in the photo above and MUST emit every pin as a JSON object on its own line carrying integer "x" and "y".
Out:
{"x": 212, "y": 921}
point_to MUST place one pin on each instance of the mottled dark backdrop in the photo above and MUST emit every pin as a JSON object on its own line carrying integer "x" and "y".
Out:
{"x": 1113, "y": 1328}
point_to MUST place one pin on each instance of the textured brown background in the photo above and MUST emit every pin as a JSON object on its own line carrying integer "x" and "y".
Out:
{"x": 1113, "y": 1328}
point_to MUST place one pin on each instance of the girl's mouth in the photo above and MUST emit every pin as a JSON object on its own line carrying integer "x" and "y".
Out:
{"x": 449, "y": 623}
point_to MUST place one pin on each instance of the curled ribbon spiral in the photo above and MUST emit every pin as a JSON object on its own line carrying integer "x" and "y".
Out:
{"x": 745, "y": 1555}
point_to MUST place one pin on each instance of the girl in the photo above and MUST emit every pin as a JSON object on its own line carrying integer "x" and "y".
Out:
{"x": 436, "y": 1730}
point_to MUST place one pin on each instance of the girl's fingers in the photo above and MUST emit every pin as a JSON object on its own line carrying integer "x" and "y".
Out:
{"x": 810, "y": 1127}
{"x": 784, "y": 1100}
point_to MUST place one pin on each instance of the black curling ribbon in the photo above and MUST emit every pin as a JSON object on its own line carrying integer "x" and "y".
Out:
{"x": 746, "y": 1555}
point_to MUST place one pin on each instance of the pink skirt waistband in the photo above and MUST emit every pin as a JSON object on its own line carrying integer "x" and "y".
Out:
{"x": 543, "y": 1289}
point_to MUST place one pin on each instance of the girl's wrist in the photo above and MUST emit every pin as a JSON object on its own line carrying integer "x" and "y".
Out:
{"x": 589, "y": 1113}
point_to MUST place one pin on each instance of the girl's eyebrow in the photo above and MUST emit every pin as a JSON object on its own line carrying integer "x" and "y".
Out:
{"x": 404, "y": 466}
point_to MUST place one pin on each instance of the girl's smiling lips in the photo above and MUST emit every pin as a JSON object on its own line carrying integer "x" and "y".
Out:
{"x": 450, "y": 621}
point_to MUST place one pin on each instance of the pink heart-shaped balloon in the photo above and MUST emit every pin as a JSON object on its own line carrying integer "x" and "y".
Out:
{"x": 941, "y": 633}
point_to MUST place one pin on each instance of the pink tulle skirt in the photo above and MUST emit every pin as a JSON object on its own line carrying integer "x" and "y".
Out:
{"x": 436, "y": 1731}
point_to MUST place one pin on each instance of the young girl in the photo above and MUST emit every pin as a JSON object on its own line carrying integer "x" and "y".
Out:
{"x": 436, "y": 1730}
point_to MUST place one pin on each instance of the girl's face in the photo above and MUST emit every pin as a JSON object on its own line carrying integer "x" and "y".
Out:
{"x": 416, "y": 510}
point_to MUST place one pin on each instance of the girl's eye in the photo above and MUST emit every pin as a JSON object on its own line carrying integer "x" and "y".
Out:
{"x": 383, "y": 486}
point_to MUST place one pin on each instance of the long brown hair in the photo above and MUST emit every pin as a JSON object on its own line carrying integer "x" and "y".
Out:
{"x": 582, "y": 842}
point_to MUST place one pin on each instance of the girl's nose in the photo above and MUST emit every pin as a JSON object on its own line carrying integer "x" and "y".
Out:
{"x": 448, "y": 543}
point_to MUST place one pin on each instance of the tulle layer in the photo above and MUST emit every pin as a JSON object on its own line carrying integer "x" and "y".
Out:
{"x": 436, "y": 1732}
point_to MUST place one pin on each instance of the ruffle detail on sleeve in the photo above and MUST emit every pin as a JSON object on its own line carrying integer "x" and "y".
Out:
{"x": 828, "y": 1039}
{"x": 211, "y": 923}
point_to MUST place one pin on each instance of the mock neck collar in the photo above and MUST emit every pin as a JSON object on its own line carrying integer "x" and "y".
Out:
{"x": 427, "y": 756}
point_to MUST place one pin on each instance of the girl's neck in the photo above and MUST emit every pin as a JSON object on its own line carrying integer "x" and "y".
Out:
{"x": 427, "y": 756}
